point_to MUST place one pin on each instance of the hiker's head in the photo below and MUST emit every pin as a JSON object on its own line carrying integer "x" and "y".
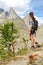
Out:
{"x": 31, "y": 14}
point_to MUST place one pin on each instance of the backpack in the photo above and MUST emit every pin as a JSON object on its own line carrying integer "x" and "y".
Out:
{"x": 35, "y": 25}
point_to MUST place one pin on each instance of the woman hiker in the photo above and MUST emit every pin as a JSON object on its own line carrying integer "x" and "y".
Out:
{"x": 33, "y": 25}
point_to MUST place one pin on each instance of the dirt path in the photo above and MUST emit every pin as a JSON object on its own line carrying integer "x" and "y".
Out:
{"x": 23, "y": 62}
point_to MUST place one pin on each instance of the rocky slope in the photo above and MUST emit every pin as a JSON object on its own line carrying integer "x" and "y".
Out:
{"x": 39, "y": 34}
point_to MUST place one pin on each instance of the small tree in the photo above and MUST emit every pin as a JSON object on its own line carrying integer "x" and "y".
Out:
{"x": 9, "y": 35}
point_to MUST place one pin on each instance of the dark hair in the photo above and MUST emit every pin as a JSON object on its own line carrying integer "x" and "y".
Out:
{"x": 32, "y": 16}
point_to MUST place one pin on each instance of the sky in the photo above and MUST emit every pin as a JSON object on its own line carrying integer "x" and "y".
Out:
{"x": 23, "y": 7}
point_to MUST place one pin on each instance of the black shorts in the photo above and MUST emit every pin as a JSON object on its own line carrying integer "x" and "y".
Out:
{"x": 32, "y": 31}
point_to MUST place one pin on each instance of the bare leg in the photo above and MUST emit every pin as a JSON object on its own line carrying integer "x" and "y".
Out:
{"x": 31, "y": 37}
{"x": 32, "y": 40}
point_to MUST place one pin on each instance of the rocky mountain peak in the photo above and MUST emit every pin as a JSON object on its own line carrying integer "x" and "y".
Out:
{"x": 6, "y": 14}
{"x": 11, "y": 10}
{"x": 12, "y": 14}
{"x": 26, "y": 19}
{"x": 1, "y": 10}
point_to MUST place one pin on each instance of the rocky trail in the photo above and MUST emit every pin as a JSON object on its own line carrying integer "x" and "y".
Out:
{"x": 24, "y": 59}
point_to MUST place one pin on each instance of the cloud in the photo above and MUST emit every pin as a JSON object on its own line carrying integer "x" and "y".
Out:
{"x": 20, "y": 6}
{"x": 16, "y": 2}
{"x": 3, "y": 5}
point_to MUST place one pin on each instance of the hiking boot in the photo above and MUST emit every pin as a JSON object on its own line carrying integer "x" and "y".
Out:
{"x": 32, "y": 47}
{"x": 37, "y": 45}
{"x": 36, "y": 42}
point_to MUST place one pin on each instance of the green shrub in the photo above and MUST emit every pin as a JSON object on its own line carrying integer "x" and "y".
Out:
{"x": 22, "y": 51}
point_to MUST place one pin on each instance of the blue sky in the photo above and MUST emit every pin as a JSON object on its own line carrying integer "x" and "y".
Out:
{"x": 23, "y": 7}
{"x": 37, "y": 7}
